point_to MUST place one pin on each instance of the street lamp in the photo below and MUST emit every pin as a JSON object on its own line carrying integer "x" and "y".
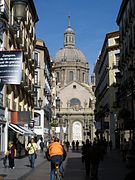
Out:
{"x": 19, "y": 7}
{"x": 19, "y": 10}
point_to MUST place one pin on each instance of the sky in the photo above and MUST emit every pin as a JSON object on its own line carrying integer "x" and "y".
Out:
{"x": 91, "y": 20}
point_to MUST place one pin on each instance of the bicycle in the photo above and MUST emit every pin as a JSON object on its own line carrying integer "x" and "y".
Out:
{"x": 57, "y": 174}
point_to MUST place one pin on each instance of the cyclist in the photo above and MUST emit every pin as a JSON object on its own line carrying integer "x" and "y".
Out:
{"x": 56, "y": 154}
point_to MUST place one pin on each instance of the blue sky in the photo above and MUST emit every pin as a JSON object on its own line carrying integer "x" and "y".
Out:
{"x": 90, "y": 20}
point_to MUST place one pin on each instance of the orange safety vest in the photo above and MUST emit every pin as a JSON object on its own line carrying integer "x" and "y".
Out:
{"x": 55, "y": 149}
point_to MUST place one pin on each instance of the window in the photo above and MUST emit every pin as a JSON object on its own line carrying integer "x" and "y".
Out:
{"x": 74, "y": 86}
{"x": 36, "y": 59}
{"x": 37, "y": 118}
{"x": 58, "y": 76}
{"x": 71, "y": 76}
{"x": 117, "y": 40}
{"x": 117, "y": 56}
{"x": 74, "y": 102}
{"x": 36, "y": 78}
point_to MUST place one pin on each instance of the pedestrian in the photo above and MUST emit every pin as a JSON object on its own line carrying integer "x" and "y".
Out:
{"x": 83, "y": 151}
{"x": 19, "y": 148}
{"x": 73, "y": 145}
{"x": 42, "y": 145}
{"x": 11, "y": 154}
{"x": 104, "y": 144}
{"x": 95, "y": 158}
{"x": 86, "y": 156}
{"x": 130, "y": 175}
{"x": 5, "y": 158}
{"x": 77, "y": 145}
{"x": 67, "y": 145}
{"x": 110, "y": 145}
{"x": 32, "y": 152}
{"x": 124, "y": 149}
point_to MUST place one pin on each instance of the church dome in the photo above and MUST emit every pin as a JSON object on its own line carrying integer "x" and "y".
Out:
{"x": 70, "y": 54}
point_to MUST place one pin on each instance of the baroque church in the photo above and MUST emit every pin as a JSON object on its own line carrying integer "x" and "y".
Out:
{"x": 77, "y": 101}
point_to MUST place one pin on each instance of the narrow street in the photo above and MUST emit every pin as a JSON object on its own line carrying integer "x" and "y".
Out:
{"x": 112, "y": 168}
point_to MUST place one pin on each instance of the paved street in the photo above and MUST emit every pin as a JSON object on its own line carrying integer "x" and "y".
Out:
{"x": 112, "y": 168}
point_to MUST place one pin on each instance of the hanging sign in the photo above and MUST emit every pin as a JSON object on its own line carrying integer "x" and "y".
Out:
{"x": 11, "y": 67}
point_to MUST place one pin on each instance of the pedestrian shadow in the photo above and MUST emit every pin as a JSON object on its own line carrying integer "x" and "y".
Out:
{"x": 76, "y": 151}
{"x": 27, "y": 165}
{"x": 74, "y": 169}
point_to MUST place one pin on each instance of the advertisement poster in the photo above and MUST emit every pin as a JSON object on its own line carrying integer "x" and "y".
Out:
{"x": 11, "y": 67}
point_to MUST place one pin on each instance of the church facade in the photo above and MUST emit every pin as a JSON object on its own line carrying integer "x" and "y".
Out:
{"x": 77, "y": 101}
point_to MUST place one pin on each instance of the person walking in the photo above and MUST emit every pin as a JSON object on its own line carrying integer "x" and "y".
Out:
{"x": 73, "y": 145}
{"x": 95, "y": 158}
{"x": 110, "y": 145}
{"x": 32, "y": 152}
{"x": 124, "y": 149}
{"x": 83, "y": 151}
{"x": 11, "y": 155}
{"x": 86, "y": 156}
{"x": 67, "y": 145}
{"x": 77, "y": 145}
{"x": 130, "y": 175}
{"x": 42, "y": 145}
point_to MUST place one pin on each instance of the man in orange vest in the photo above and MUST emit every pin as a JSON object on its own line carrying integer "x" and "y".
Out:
{"x": 56, "y": 154}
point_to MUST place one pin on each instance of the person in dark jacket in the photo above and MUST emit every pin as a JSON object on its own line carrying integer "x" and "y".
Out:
{"x": 130, "y": 175}
{"x": 11, "y": 155}
{"x": 95, "y": 158}
{"x": 86, "y": 154}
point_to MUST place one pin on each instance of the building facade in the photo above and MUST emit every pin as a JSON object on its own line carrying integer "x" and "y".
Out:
{"x": 75, "y": 114}
{"x": 126, "y": 76}
{"x": 42, "y": 89}
{"x": 17, "y": 34}
{"x": 105, "y": 91}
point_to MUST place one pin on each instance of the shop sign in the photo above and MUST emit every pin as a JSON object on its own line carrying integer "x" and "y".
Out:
{"x": 11, "y": 67}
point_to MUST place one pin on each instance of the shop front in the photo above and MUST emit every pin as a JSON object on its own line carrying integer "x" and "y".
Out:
{"x": 19, "y": 132}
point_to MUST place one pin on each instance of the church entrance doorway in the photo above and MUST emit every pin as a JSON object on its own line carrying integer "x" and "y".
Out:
{"x": 77, "y": 131}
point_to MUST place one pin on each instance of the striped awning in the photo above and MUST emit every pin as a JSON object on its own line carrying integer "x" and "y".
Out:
{"x": 21, "y": 130}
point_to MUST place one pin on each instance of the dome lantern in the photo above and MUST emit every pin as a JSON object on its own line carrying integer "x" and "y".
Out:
{"x": 69, "y": 39}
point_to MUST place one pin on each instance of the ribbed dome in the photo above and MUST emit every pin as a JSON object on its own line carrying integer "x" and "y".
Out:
{"x": 70, "y": 54}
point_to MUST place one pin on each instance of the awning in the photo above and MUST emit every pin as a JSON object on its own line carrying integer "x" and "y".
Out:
{"x": 21, "y": 130}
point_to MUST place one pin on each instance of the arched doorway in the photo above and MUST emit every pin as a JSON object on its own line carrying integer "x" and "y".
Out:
{"x": 77, "y": 131}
